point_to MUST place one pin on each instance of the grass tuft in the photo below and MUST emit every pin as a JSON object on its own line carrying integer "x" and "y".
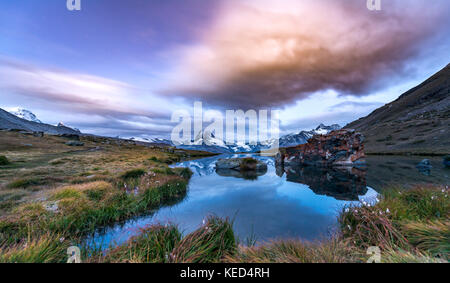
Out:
{"x": 211, "y": 243}
{"x": 49, "y": 248}
{"x": 153, "y": 245}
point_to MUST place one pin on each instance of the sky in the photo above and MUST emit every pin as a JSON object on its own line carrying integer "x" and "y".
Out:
{"x": 121, "y": 68}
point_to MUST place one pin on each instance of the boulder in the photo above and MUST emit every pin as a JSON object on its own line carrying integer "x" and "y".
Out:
{"x": 72, "y": 137}
{"x": 38, "y": 134}
{"x": 424, "y": 167}
{"x": 247, "y": 175}
{"x": 338, "y": 148}
{"x": 241, "y": 164}
{"x": 74, "y": 143}
{"x": 424, "y": 163}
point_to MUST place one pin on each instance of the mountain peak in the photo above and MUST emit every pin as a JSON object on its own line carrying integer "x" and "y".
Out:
{"x": 24, "y": 114}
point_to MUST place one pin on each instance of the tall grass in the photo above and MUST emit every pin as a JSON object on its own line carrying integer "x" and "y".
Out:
{"x": 81, "y": 209}
{"x": 49, "y": 248}
{"x": 296, "y": 251}
{"x": 432, "y": 237}
{"x": 210, "y": 243}
{"x": 153, "y": 245}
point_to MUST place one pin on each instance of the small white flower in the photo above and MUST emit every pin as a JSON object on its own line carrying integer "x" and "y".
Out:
{"x": 347, "y": 210}
{"x": 61, "y": 239}
{"x": 349, "y": 228}
{"x": 387, "y": 210}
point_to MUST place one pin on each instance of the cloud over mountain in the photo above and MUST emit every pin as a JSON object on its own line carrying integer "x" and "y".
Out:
{"x": 268, "y": 53}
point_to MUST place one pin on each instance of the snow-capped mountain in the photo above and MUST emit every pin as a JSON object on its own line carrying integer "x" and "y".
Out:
{"x": 304, "y": 136}
{"x": 209, "y": 142}
{"x": 24, "y": 114}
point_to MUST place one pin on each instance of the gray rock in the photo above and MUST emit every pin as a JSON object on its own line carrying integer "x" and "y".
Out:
{"x": 233, "y": 163}
{"x": 241, "y": 164}
{"x": 73, "y": 137}
{"x": 424, "y": 163}
{"x": 74, "y": 143}
{"x": 424, "y": 167}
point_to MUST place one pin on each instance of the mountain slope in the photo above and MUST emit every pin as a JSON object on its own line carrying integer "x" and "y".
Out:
{"x": 417, "y": 122}
{"x": 9, "y": 121}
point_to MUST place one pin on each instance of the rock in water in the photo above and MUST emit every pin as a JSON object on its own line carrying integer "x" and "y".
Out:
{"x": 424, "y": 163}
{"x": 241, "y": 164}
{"x": 338, "y": 148}
{"x": 424, "y": 167}
{"x": 246, "y": 168}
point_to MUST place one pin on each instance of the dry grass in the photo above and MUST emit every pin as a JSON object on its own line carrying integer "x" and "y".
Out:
{"x": 41, "y": 164}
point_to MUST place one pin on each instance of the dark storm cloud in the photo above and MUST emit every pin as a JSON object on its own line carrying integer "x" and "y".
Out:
{"x": 267, "y": 53}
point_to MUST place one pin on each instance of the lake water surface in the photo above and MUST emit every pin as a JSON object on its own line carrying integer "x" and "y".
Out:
{"x": 282, "y": 203}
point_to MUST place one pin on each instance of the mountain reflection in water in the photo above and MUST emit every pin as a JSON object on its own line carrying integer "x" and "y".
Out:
{"x": 340, "y": 183}
{"x": 280, "y": 203}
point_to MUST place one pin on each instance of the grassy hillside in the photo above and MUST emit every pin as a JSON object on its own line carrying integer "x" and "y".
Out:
{"x": 38, "y": 165}
{"x": 417, "y": 122}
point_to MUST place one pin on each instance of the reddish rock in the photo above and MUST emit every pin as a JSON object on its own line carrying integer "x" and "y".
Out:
{"x": 338, "y": 148}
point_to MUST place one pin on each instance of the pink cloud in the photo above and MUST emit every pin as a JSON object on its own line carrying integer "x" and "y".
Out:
{"x": 267, "y": 52}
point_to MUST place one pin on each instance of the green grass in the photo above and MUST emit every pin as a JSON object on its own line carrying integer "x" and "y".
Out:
{"x": 25, "y": 183}
{"x": 295, "y": 251}
{"x": 153, "y": 245}
{"x": 408, "y": 226}
{"x": 49, "y": 248}
{"x": 86, "y": 207}
{"x": 212, "y": 242}
{"x": 134, "y": 173}
{"x": 410, "y": 220}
